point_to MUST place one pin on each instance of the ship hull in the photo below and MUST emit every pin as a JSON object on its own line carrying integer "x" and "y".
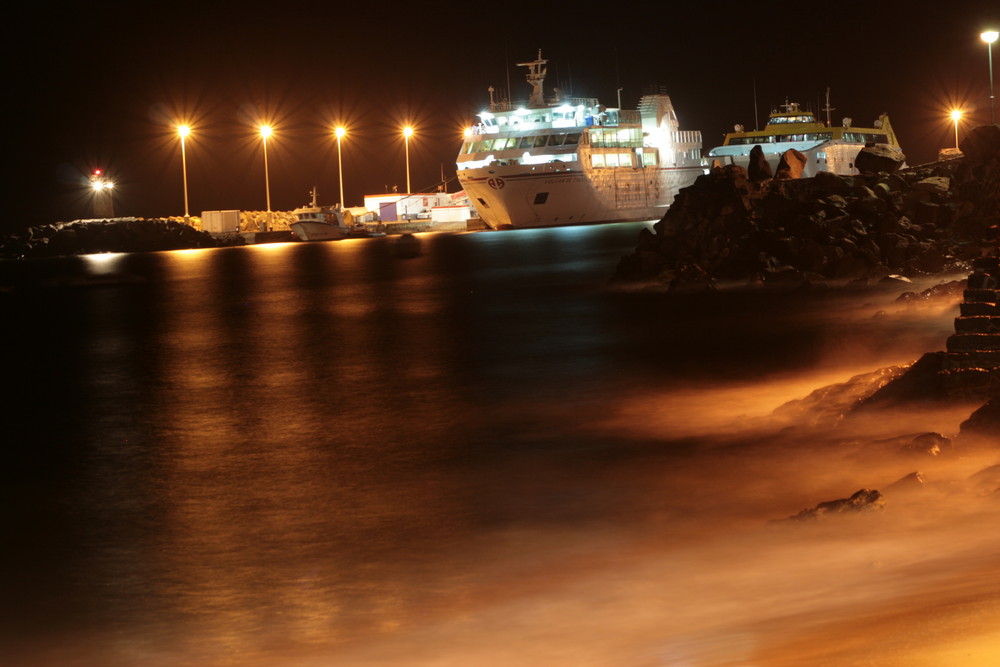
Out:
{"x": 515, "y": 198}
{"x": 318, "y": 231}
{"x": 834, "y": 157}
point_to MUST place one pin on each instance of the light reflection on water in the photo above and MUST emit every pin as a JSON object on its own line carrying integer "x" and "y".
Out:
{"x": 316, "y": 453}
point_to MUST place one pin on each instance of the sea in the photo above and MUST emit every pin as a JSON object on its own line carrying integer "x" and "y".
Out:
{"x": 489, "y": 453}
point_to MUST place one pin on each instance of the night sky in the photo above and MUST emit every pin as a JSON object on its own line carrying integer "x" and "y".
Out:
{"x": 102, "y": 85}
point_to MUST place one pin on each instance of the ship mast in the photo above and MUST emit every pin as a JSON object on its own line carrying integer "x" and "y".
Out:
{"x": 536, "y": 76}
{"x": 828, "y": 108}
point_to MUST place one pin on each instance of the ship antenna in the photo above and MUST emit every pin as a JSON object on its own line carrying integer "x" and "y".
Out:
{"x": 828, "y": 108}
{"x": 536, "y": 77}
{"x": 756, "y": 124}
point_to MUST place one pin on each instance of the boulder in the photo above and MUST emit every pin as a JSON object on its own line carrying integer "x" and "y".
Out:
{"x": 981, "y": 144}
{"x": 984, "y": 423}
{"x": 932, "y": 444}
{"x": 878, "y": 159}
{"x": 913, "y": 482}
{"x": 759, "y": 168}
{"x": 921, "y": 382}
{"x": 791, "y": 164}
{"x": 864, "y": 500}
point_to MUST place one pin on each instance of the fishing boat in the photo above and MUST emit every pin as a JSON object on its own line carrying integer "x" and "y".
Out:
{"x": 573, "y": 161}
{"x": 826, "y": 148}
{"x": 326, "y": 223}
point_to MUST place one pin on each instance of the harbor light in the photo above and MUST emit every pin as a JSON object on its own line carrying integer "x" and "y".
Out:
{"x": 340, "y": 132}
{"x": 956, "y": 115}
{"x": 183, "y": 131}
{"x": 265, "y": 132}
{"x": 989, "y": 37}
{"x": 102, "y": 187}
{"x": 407, "y": 133}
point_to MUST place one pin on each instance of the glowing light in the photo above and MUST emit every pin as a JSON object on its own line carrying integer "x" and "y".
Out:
{"x": 339, "y": 132}
{"x": 265, "y": 132}
{"x": 468, "y": 132}
{"x": 183, "y": 131}
{"x": 956, "y": 115}
{"x": 989, "y": 37}
{"x": 407, "y": 133}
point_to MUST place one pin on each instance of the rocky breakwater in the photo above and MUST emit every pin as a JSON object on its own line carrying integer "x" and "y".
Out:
{"x": 737, "y": 224}
{"x": 111, "y": 235}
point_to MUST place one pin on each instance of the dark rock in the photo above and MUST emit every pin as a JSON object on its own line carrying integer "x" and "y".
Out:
{"x": 984, "y": 423}
{"x": 864, "y": 500}
{"x": 986, "y": 480}
{"x": 933, "y": 444}
{"x": 791, "y": 164}
{"x": 981, "y": 144}
{"x": 759, "y": 168}
{"x": 913, "y": 482}
{"x": 921, "y": 382}
{"x": 879, "y": 158}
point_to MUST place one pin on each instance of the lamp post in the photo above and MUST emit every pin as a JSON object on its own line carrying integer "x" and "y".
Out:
{"x": 103, "y": 206}
{"x": 407, "y": 133}
{"x": 265, "y": 132}
{"x": 183, "y": 131}
{"x": 956, "y": 115}
{"x": 989, "y": 37}
{"x": 340, "y": 132}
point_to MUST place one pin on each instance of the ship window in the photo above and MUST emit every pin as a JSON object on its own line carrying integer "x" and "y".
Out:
{"x": 539, "y": 141}
{"x": 483, "y": 202}
{"x": 541, "y": 197}
{"x": 525, "y": 142}
{"x": 555, "y": 139}
{"x": 649, "y": 159}
{"x": 486, "y": 145}
{"x": 624, "y": 159}
{"x": 597, "y": 160}
{"x": 572, "y": 139}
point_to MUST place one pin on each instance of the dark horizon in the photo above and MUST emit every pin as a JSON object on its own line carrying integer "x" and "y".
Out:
{"x": 107, "y": 86}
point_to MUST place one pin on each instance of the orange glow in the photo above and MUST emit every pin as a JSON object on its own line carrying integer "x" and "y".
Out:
{"x": 266, "y": 131}
{"x": 340, "y": 132}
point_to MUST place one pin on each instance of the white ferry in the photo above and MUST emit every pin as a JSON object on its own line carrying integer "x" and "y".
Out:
{"x": 571, "y": 161}
{"x": 826, "y": 148}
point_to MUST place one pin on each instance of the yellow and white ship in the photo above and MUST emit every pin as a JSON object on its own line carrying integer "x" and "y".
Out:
{"x": 572, "y": 161}
{"x": 826, "y": 148}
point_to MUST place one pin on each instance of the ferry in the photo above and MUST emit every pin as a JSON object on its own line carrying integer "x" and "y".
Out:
{"x": 573, "y": 161}
{"x": 826, "y": 148}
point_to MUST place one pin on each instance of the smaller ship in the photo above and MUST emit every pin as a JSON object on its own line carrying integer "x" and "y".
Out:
{"x": 826, "y": 148}
{"x": 326, "y": 223}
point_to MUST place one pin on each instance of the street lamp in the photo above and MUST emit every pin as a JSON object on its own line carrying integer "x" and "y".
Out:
{"x": 340, "y": 132}
{"x": 183, "y": 131}
{"x": 989, "y": 37}
{"x": 103, "y": 206}
{"x": 407, "y": 133}
{"x": 265, "y": 132}
{"x": 956, "y": 115}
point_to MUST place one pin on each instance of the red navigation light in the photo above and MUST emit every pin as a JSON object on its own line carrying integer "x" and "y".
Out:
{"x": 97, "y": 172}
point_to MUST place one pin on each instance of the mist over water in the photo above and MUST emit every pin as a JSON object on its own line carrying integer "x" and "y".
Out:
{"x": 315, "y": 454}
